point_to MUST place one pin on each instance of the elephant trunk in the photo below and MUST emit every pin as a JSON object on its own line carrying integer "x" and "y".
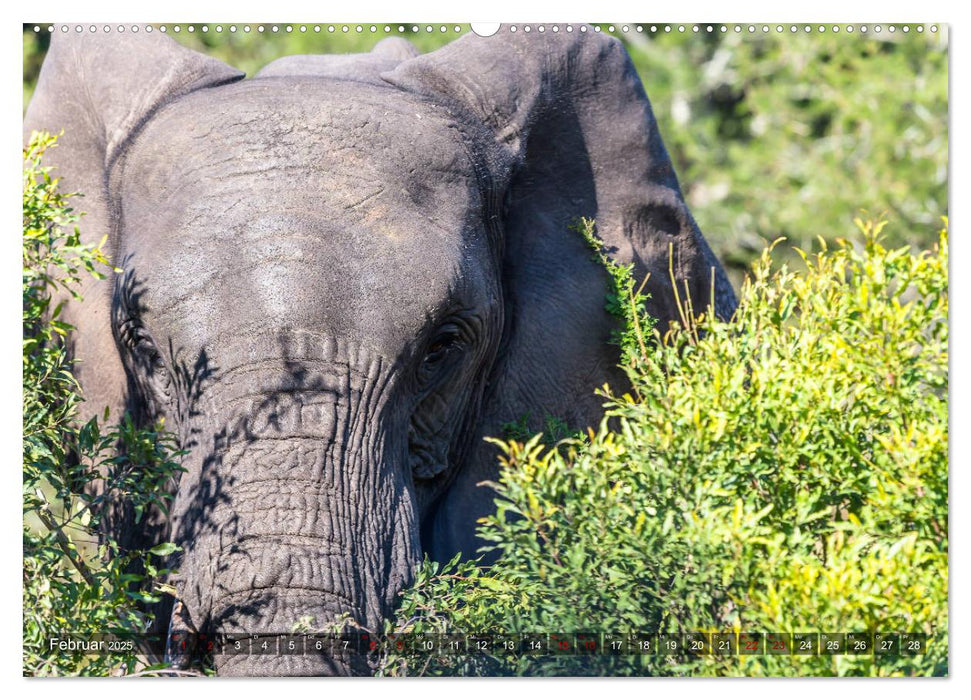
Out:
{"x": 299, "y": 517}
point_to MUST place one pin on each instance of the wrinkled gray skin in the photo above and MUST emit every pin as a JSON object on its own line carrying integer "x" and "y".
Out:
{"x": 339, "y": 276}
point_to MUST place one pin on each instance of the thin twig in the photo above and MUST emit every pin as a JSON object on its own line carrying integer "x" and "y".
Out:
{"x": 637, "y": 323}
{"x": 63, "y": 541}
{"x": 693, "y": 331}
{"x": 674, "y": 285}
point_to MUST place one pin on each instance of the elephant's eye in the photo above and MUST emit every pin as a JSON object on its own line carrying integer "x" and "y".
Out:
{"x": 155, "y": 359}
{"x": 147, "y": 358}
{"x": 438, "y": 349}
{"x": 443, "y": 345}
{"x": 440, "y": 346}
{"x": 138, "y": 339}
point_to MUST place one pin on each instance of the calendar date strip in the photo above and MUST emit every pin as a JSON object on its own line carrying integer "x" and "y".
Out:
{"x": 889, "y": 644}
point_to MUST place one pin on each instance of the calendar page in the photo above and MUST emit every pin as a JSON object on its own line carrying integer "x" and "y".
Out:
{"x": 409, "y": 349}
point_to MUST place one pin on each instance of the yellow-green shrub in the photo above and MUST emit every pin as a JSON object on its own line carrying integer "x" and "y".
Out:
{"x": 782, "y": 472}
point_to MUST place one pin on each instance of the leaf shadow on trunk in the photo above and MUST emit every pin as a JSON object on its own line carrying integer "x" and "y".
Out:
{"x": 197, "y": 392}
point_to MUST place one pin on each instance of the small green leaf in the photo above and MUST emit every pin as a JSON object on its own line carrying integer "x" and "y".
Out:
{"x": 165, "y": 549}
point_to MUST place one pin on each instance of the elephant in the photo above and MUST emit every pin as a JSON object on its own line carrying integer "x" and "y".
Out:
{"x": 336, "y": 278}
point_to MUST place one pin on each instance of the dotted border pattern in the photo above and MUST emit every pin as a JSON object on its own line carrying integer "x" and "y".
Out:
{"x": 860, "y": 29}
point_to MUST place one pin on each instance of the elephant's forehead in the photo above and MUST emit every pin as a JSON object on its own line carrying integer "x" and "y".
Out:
{"x": 315, "y": 208}
{"x": 357, "y": 154}
{"x": 341, "y": 137}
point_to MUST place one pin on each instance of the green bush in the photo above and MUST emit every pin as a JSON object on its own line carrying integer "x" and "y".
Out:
{"x": 76, "y": 580}
{"x": 784, "y": 472}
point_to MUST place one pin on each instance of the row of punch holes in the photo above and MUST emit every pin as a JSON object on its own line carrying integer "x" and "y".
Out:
{"x": 485, "y": 31}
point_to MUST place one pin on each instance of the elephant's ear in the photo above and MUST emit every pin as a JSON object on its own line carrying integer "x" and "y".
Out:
{"x": 571, "y": 116}
{"x": 571, "y": 111}
{"x": 100, "y": 89}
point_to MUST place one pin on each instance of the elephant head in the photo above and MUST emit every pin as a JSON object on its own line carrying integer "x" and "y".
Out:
{"x": 334, "y": 279}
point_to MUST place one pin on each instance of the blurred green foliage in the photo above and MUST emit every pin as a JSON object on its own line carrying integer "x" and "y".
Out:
{"x": 772, "y": 133}
{"x": 77, "y": 580}
{"x": 781, "y": 134}
{"x": 783, "y": 472}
